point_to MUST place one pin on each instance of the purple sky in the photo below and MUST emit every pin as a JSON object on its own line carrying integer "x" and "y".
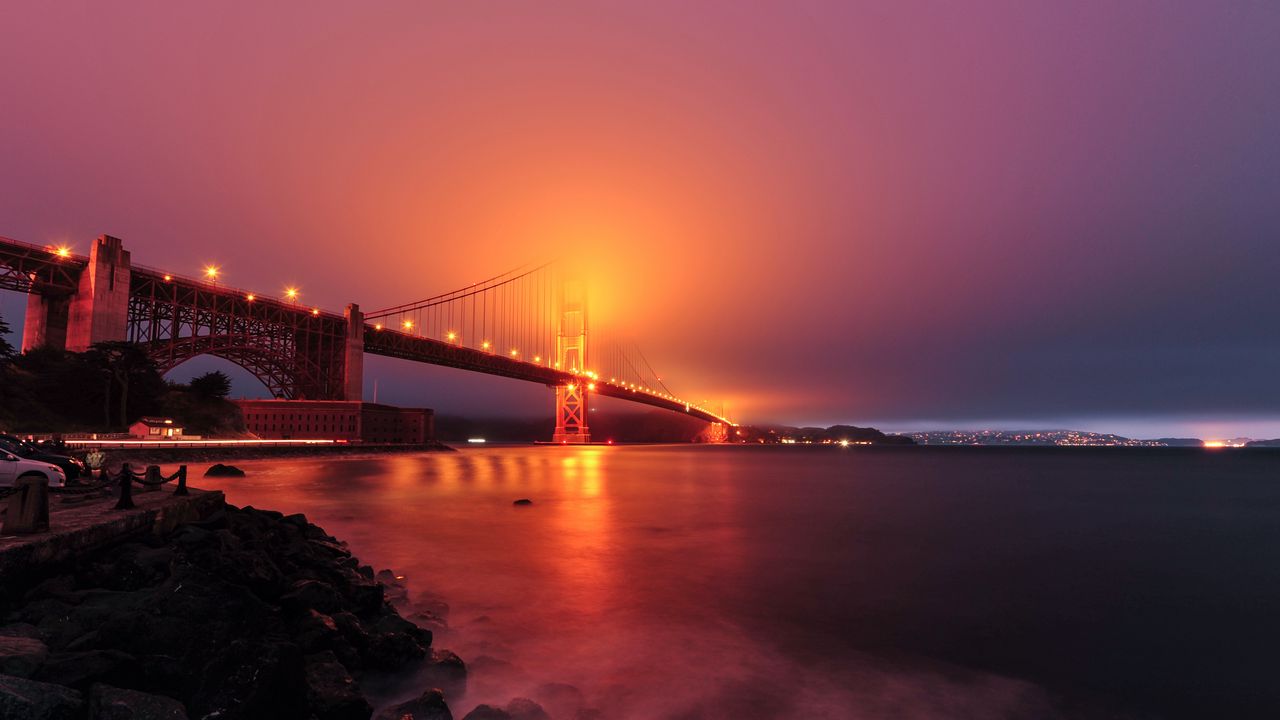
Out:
{"x": 905, "y": 214}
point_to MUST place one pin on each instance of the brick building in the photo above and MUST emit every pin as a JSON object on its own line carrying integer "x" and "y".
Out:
{"x": 337, "y": 420}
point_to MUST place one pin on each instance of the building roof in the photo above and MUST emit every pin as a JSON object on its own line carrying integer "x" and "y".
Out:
{"x": 156, "y": 422}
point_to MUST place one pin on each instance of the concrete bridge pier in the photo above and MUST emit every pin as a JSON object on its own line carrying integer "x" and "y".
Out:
{"x": 98, "y": 311}
{"x": 353, "y": 355}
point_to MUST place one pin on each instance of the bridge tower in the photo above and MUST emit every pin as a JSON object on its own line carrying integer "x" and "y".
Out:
{"x": 571, "y": 353}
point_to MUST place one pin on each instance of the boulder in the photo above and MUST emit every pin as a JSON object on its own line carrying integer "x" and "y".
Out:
{"x": 428, "y": 706}
{"x": 113, "y": 703}
{"x": 394, "y": 650}
{"x": 220, "y": 470}
{"x": 21, "y": 655}
{"x": 313, "y": 595}
{"x": 31, "y": 700}
{"x": 252, "y": 679}
{"x": 487, "y": 712}
{"x": 83, "y": 668}
{"x": 526, "y": 709}
{"x": 332, "y": 694}
{"x": 523, "y": 501}
{"x": 446, "y": 671}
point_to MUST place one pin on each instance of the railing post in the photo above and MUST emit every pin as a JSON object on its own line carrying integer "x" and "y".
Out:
{"x": 126, "y": 489}
{"x": 28, "y": 507}
{"x": 153, "y": 479}
{"x": 182, "y": 481}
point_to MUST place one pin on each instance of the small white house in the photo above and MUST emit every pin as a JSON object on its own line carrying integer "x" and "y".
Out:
{"x": 154, "y": 428}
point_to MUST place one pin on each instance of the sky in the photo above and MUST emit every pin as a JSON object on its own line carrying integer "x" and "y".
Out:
{"x": 907, "y": 214}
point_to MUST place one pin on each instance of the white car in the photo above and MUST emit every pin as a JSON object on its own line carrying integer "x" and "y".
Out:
{"x": 13, "y": 467}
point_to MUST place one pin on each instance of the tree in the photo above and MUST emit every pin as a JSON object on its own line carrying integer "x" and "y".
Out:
{"x": 6, "y": 350}
{"x": 210, "y": 385}
{"x": 126, "y": 367}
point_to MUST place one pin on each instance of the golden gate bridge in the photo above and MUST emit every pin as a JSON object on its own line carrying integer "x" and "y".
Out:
{"x": 529, "y": 324}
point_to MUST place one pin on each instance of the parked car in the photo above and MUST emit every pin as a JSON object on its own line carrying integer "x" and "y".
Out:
{"x": 13, "y": 467}
{"x": 71, "y": 467}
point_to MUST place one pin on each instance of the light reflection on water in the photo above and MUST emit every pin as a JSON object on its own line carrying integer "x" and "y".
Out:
{"x": 682, "y": 582}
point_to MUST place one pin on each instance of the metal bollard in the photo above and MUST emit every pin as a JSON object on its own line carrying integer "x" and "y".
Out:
{"x": 126, "y": 489}
{"x": 182, "y": 481}
{"x": 28, "y": 507}
{"x": 153, "y": 479}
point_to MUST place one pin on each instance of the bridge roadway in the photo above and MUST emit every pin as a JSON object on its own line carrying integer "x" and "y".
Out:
{"x": 391, "y": 343}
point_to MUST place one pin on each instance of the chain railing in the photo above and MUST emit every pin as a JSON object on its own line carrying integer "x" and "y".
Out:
{"x": 28, "y": 506}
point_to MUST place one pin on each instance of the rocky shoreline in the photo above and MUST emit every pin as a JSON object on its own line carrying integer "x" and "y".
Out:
{"x": 249, "y": 614}
{"x": 160, "y": 455}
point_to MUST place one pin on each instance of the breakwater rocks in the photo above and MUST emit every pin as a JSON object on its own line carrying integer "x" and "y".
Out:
{"x": 250, "y": 614}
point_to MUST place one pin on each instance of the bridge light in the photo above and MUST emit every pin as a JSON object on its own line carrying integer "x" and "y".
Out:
{"x": 291, "y": 293}
{"x": 315, "y": 311}
{"x": 168, "y": 278}
{"x": 62, "y": 251}
{"x": 451, "y": 336}
{"x": 250, "y": 297}
{"x": 377, "y": 326}
{"x": 571, "y": 387}
{"x": 591, "y": 386}
{"x": 515, "y": 352}
{"x": 537, "y": 358}
{"x": 408, "y": 324}
{"x": 485, "y": 345}
{"x": 211, "y": 271}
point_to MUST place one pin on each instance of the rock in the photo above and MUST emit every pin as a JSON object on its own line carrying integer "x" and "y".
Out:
{"x": 523, "y": 501}
{"x": 83, "y": 668}
{"x": 220, "y": 470}
{"x": 30, "y": 700}
{"x": 332, "y": 694}
{"x": 526, "y": 709}
{"x": 113, "y": 703}
{"x": 446, "y": 671}
{"x": 428, "y": 706}
{"x": 313, "y": 595}
{"x": 394, "y": 650}
{"x": 21, "y": 656}
{"x": 487, "y": 712}
{"x": 252, "y": 679}
{"x": 561, "y": 700}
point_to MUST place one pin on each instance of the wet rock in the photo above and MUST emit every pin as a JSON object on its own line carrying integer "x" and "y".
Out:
{"x": 428, "y": 706}
{"x": 526, "y": 709}
{"x": 21, "y": 656}
{"x": 220, "y": 470}
{"x": 81, "y": 669}
{"x": 394, "y": 650}
{"x": 113, "y": 703}
{"x": 252, "y": 679}
{"x": 487, "y": 712}
{"x": 446, "y": 671}
{"x": 561, "y": 700}
{"x": 313, "y": 595}
{"x": 32, "y": 700}
{"x": 523, "y": 501}
{"x": 332, "y": 694}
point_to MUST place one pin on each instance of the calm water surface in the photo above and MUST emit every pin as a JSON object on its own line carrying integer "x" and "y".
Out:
{"x": 701, "y": 582}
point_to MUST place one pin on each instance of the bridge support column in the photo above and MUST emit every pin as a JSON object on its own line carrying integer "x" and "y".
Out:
{"x": 716, "y": 432}
{"x": 353, "y": 355}
{"x": 100, "y": 308}
{"x": 45, "y": 325}
{"x": 571, "y": 415}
